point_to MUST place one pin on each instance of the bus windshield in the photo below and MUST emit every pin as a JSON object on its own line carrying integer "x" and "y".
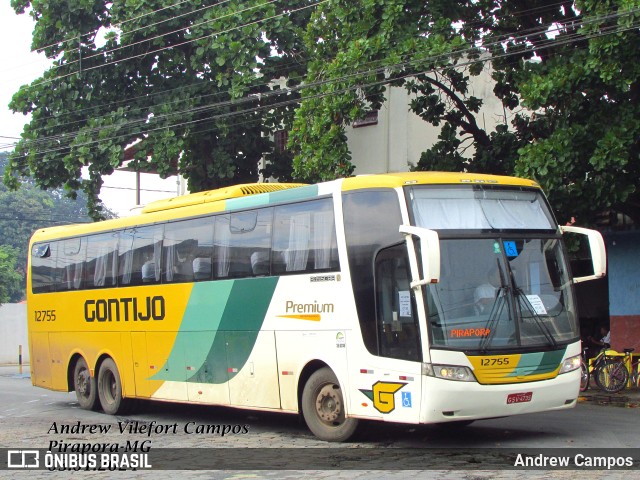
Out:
{"x": 501, "y": 287}
{"x": 480, "y": 208}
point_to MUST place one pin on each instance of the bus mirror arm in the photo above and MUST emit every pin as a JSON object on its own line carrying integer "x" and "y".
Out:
{"x": 429, "y": 253}
{"x": 419, "y": 283}
{"x": 597, "y": 248}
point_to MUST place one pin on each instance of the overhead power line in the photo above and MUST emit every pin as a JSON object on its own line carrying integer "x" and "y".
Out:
{"x": 541, "y": 9}
{"x": 150, "y": 39}
{"x": 222, "y": 93}
{"x": 180, "y": 44}
{"x": 562, "y": 40}
{"x": 138, "y": 189}
{"x": 277, "y": 93}
{"x": 91, "y": 33}
{"x": 4, "y": 218}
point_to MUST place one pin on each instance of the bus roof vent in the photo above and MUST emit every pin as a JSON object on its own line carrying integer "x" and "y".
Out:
{"x": 223, "y": 193}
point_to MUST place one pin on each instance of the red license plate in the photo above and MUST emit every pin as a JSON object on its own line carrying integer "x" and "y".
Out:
{"x": 519, "y": 397}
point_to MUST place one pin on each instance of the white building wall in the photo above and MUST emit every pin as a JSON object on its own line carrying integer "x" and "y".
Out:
{"x": 13, "y": 333}
{"x": 397, "y": 141}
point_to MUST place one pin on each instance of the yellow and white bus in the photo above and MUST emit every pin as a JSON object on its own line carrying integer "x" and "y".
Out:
{"x": 416, "y": 298}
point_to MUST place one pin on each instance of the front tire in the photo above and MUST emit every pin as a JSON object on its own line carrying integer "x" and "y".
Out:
{"x": 323, "y": 408}
{"x": 85, "y": 385}
{"x": 110, "y": 388}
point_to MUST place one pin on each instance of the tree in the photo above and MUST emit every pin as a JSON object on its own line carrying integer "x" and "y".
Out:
{"x": 10, "y": 279}
{"x": 355, "y": 49}
{"x": 27, "y": 209}
{"x": 586, "y": 95}
{"x": 200, "y": 89}
{"x": 566, "y": 71}
{"x": 432, "y": 49}
{"x": 190, "y": 84}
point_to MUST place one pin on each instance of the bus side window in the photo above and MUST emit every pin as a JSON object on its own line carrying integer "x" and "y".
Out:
{"x": 260, "y": 263}
{"x": 201, "y": 268}
{"x": 221, "y": 247}
{"x": 371, "y": 220}
{"x": 101, "y": 265}
{"x": 304, "y": 238}
{"x": 43, "y": 267}
{"x": 243, "y": 243}
{"x": 398, "y": 331}
{"x": 187, "y": 248}
{"x": 70, "y": 264}
{"x": 140, "y": 255}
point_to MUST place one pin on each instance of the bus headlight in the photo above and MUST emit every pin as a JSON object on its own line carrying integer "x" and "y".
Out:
{"x": 448, "y": 372}
{"x": 571, "y": 364}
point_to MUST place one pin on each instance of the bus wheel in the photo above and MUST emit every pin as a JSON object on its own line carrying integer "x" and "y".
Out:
{"x": 84, "y": 385}
{"x": 323, "y": 408}
{"x": 110, "y": 388}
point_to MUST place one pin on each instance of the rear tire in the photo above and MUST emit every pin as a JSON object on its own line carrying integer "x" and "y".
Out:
{"x": 612, "y": 376}
{"x": 110, "y": 388}
{"x": 323, "y": 408}
{"x": 85, "y": 385}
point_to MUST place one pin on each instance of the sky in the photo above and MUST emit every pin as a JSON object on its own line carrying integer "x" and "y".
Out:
{"x": 19, "y": 66}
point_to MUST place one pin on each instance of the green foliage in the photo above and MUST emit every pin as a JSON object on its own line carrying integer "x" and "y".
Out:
{"x": 204, "y": 101}
{"x": 182, "y": 81}
{"x": 25, "y": 210}
{"x": 355, "y": 49}
{"x": 588, "y": 158}
{"x": 10, "y": 279}
{"x": 572, "y": 99}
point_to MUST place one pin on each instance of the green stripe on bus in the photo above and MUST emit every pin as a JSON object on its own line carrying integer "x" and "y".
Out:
{"x": 289, "y": 195}
{"x": 550, "y": 361}
{"x": 294, "y": 194}
{"x": 216, "y": 310}
{"x": 537, "y": 363}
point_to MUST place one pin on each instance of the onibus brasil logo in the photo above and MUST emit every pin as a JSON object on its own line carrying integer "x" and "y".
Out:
{"x": 23, "y": 459}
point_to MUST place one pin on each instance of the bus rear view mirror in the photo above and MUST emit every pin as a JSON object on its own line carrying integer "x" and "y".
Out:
{"x": 429, "y": 253}
{"x": 595, "y": 250}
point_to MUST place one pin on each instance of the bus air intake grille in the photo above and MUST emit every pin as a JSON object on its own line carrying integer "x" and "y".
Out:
{"x": 224, "y": 193}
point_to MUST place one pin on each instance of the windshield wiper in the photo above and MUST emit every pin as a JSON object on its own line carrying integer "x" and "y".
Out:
{"x": 494, "y": 316}
{"x": 496, "y": 309}
{"x": 524, "y": 301}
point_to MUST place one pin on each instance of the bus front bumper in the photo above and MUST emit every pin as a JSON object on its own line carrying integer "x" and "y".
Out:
{"x": 447, "y": 400}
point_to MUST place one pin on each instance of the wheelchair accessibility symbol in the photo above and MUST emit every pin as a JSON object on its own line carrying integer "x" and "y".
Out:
{"x": 406, "y": 399}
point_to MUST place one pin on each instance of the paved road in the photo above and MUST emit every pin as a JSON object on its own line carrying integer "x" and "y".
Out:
{"x": 35, "y": 418}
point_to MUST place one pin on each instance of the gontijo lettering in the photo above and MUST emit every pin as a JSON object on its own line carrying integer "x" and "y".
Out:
{"x": 124, "y": 309}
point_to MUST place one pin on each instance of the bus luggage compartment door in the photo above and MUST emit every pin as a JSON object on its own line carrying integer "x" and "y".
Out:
{"x": 253, "y": 375}
{"x": 40, "y": 359}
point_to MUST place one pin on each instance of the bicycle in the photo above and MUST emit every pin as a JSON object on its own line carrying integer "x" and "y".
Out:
{"x": 609, "y": 372}
{"x": 632, "y": 367}
{"x": 584, "y": 370}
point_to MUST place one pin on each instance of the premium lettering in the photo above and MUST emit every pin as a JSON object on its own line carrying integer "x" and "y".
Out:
{"x": 314, "y": 307}
{"x": 124, "y": 309}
